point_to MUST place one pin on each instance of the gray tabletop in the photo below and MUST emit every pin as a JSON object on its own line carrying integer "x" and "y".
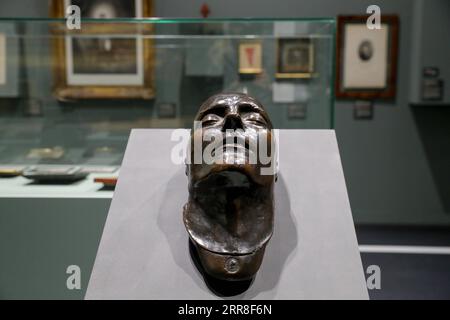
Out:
{"x": 313, "y": 253}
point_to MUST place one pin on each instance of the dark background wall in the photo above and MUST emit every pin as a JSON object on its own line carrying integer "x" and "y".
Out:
{"x": 397, "y": 164}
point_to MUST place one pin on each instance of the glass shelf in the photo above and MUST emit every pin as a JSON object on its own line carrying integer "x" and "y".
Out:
{"x": 71, "y": 97}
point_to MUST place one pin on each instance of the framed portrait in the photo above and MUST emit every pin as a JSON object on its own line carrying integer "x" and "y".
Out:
{"x": 295, "y": 58}
{"x": 9, "y": 61}
{"x": 250, "y": 57}
{"x": 110, "y": 60}
{"x": 366, "y": 58}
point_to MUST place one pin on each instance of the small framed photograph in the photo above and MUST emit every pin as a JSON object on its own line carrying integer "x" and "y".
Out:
{"x": 54, "y": 174}
{"x": 366, "y": 58}
{"x": 250, "y": 57}
{"x": 9, "y": 61}
{"x": 104, "y": 60}
{"x": 295, "y": 58}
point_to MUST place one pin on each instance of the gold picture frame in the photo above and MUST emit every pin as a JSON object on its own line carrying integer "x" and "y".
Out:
{"x": 295, "y": 58}
{"x": 250, "y": 57}
{"x": 71, "y": 86}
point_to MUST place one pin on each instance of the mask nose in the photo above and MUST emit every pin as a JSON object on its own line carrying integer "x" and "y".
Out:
{"x": 232, "y": 121}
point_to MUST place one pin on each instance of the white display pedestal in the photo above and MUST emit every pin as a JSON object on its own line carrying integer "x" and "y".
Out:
{"x": 313, "y": 253}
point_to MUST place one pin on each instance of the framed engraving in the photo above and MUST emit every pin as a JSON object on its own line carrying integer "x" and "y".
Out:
{"x": 295, "y": 58}
{"x": 104, "y": 60}
{"x": 250, "y": 57}
{"x": 366, "y": 58}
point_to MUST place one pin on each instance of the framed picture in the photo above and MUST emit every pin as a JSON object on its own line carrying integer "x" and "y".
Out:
{"x": 366, "y": 59}
{"x": 2, "y": 59}
{"x": 9, "y": 61}
{"x": 104, "y": 60}
{"x": 295, "y": 58}
{"x": 250, "y": 57}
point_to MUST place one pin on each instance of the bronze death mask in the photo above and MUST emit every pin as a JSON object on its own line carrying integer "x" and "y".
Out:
{"x": 229, "y": 214}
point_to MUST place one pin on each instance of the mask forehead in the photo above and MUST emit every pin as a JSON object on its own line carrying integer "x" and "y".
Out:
{"x": 231, "y": 103}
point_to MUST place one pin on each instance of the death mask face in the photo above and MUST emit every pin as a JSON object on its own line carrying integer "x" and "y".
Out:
{"x": 231, "y": 174}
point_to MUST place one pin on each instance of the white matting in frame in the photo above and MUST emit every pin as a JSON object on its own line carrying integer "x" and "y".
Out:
{"x": 9, "y": 61}
{"x": 2, "y": 59}
{"x": 369, "y": 71}
{"x": 108, "y": 78}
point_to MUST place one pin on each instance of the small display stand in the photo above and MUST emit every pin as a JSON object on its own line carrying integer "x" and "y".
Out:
{"x": 313, "y": 254}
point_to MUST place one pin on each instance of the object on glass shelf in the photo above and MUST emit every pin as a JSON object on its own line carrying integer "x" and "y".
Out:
{"x": 108, "y": 182}
{"x": 295, "y": 58}
{"x": 98, "y": 169}
{"x": 11, "y": 171}
{"x": 50, "y": 153}
{"x": 230, "y": 211}
{"x": 366, "y": 59}
{"x": 100, "y": 152}
{"x": 105, "y": 150}
{"x": 250, "y": 57}
{"x": 56, "y": 174}
{"x": 104, "y": 60}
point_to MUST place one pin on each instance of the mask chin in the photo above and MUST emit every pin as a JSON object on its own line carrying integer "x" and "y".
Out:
{"x": 229, "y": 219}
{"x": 230, "y": 267}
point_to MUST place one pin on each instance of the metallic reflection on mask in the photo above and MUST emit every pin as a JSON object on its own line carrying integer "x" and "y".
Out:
{"x": 229, "y": 214}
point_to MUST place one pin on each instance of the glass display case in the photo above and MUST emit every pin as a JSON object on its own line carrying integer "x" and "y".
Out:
{"x": 71, "y": 97}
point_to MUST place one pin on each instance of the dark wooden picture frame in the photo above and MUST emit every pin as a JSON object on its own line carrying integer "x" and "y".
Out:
{"x": 64, "y": 91}
{"x": 389, "y": 91}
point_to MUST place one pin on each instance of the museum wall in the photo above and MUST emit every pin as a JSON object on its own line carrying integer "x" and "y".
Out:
{"x": 396, "y": 164}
